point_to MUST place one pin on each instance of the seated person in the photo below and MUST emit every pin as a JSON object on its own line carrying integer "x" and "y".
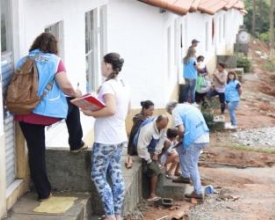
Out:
{"x": 150, "y": 141}
{"x": 146, "y": 111}
{"x": 169, "y": 155}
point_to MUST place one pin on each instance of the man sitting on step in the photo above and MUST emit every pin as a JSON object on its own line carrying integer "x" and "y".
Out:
{"x": 150, "y": 141}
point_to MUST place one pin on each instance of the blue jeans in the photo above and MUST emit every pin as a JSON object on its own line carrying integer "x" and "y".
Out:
{"x": 106, "y": 160}
{"x": 189, "y": 90}
{"x": 189, "y": 159}
{"x": 232, "y": 106}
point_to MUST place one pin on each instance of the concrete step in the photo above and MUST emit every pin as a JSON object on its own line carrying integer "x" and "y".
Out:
{"x": 25, "y": 206}
{"x": 71, "y": 172}
{"x": 165, "y": 188}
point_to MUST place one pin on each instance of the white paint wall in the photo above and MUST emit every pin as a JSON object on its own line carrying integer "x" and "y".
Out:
{"x": 139, "y": 33}
{"x": 2, "y": 177}
{"x": 35, "y": 15}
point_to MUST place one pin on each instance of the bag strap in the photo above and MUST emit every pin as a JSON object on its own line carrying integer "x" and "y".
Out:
{"x": 49, "y": 86}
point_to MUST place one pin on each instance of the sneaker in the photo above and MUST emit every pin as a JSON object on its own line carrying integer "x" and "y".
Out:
{"x": 82, "y": 148}
{"x": 182, "y": 180}
{"x": 194, "y": 195}
{"x": 230, "y": 126}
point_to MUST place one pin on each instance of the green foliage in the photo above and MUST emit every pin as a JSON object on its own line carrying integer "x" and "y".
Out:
{"x": 264, "y": 37}
{"x": 269, "y": 64}
{"x": 261, "y": 16}
{"x": 243, "y": 62}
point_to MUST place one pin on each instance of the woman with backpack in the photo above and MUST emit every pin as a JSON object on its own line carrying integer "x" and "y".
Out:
{"x": 146, "y": 111}
{"x": 51, "y": 109}
{"x": 110, "y": 136}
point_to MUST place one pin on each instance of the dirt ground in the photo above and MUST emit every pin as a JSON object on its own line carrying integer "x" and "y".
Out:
{"x": 244, "y": 181}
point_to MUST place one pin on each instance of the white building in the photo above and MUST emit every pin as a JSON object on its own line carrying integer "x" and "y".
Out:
{"x": 152, "y": 40}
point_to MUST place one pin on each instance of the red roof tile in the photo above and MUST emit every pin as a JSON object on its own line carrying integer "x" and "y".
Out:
{"x": 182, "y": 7}
{"x": 195, "y": 5}
{"x": 177, "y": 6}
{"x": 230, "y": 4}
{"x": 211, "y": 6}
{"x": 239, "y": 5}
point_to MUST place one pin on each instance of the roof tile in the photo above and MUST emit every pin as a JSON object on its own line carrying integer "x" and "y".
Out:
{"x": 182, "y": 7}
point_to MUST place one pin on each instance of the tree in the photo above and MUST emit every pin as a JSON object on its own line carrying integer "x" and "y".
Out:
{"x": 271, "y": 30}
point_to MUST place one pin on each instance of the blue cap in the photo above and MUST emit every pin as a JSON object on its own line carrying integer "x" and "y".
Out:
{"x": 194, "y": 41}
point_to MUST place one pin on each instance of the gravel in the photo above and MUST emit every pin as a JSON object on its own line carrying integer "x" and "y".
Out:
{"x": 260, "y": 137}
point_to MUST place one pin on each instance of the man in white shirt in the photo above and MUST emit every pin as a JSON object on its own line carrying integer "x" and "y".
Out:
{"x": 151, "y": 139}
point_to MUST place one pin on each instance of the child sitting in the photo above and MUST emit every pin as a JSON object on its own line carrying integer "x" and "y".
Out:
{"x": 169, "y": 155}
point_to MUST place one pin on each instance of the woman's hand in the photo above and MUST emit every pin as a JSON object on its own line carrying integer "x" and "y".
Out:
{"x": 87, "y": 112}
{"x": 78, "y": 93}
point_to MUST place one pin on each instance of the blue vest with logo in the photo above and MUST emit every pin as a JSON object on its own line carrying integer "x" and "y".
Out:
{"x": 193, "y": 122}
{"x": 54, "y": 103}
{"x": 231, "y": 92}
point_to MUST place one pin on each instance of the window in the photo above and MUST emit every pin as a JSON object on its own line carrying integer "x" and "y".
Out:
{"x": 224, "y": 26}
{"x": 169, "y": 50}
{"x": 176, "y": 43}
{"x": 95, "y": 45}
{"x": 5, "y": 35}
{"x": 206, "y": 36}
{"x": 57, "y": 29}
{"x": 220, "y": 29}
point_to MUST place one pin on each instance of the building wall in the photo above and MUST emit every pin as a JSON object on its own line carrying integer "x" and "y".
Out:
{"x": 2, "y": 176}
{"x": 29, "y": 19}
{"x": 34, "y": 17}
{"x": 139, "y": 34}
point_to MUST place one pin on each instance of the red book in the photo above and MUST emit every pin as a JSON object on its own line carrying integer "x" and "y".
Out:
{"x": 88, "y": 101}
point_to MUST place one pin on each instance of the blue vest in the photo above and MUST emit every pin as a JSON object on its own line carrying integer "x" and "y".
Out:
{"x": 231, "y": 92}
{"x": 153, "y": 143}
{"x": 189, "y": 70}
{"x": 193, "y": 122}
{"x": 54, "y": 103}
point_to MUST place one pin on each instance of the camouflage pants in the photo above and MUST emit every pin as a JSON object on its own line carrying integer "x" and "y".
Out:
{"x": 106, "y": 161}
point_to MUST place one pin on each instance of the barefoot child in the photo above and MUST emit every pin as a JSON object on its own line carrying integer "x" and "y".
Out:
{"x": 169, "y": 155}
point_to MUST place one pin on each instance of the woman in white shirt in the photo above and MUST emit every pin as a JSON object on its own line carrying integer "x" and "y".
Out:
{"x": 110, "y": 137}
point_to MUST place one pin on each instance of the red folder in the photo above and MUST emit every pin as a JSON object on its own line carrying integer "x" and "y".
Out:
{"x": 88, "y": 101}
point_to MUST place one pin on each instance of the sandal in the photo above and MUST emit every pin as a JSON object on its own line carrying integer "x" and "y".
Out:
{"x": 129, "y": 163}
{"x": 153, "y": 199}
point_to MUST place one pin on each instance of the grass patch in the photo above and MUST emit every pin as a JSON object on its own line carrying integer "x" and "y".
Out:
{"x": 237, "y": 146}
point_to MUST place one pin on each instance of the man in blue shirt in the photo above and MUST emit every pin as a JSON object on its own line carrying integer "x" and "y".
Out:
{"x": 194, "y": 134}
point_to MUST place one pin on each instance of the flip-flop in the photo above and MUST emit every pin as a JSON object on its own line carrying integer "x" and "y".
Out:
{"x": 129, "y": 163}
{"x": 156, "y": 198}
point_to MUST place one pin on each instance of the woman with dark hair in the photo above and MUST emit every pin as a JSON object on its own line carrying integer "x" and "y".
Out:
{"x": 147, "y": 109}
{"x": 51, "y": 109}
{"x": 219, "y": 82}
{"x": 110, "y": 137}
{"x": 233, "y": 91}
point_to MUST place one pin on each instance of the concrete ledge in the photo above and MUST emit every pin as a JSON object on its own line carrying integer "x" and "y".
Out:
{"x": 165, "y": 188}
{"x": 24, "y": 207}
{"x": 71, "y": 172}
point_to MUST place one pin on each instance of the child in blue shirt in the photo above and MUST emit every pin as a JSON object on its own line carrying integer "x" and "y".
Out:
{"x": 233, "y": 92}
